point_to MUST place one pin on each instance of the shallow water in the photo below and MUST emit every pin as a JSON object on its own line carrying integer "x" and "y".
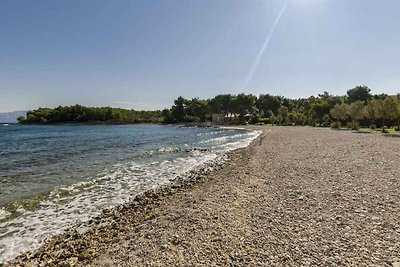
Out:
{"x": 55, "y": 177}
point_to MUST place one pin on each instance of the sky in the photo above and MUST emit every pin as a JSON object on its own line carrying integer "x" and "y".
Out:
{"x": 144, "y": 54}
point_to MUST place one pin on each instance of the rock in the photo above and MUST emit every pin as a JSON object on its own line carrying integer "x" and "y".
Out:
{"x": 176, "y": 240}
{"x": 234, "y": 255}
{"x": 164, "y": 246}
{"x": 87, "y": 254}
{"x": 82, "y": 229}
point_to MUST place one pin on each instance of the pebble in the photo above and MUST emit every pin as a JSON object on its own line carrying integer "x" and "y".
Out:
{"x": 311, "y": 197}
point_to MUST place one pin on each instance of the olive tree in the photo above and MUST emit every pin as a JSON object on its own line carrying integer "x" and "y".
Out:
{"x": 371, "y": 111}
{"x": 356, "y": 112}
{"x": 339, "y": 113}
{"x": 386, "y": 109}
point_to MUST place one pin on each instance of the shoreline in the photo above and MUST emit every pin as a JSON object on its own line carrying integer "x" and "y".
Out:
{"x": 293, "y": 197}
{"x": 106, "y": 221}
{"x": 138, "y": 204}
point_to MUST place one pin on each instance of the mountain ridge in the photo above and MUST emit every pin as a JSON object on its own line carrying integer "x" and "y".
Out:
{"x": 12, "y": 116}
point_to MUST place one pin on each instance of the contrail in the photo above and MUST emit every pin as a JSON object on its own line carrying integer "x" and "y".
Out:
{"x": 265, "y": 45}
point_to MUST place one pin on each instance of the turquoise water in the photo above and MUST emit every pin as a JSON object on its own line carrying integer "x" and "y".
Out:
{"x": 56, "y": 177}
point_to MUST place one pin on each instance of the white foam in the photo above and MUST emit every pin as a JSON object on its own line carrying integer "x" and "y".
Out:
{"x": 209, "y": 133}
{"x": 4, "y": 214}
{"x": 223, "y": 139}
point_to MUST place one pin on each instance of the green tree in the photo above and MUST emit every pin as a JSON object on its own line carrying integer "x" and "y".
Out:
{"x": 359, "y": 93}
{"x": 331, "y": 99}
{"x": 21, "y": 119}
{"x": 380, "y": 96}
{"x": 167, "y": 116}
{"x": 356, "y": 112}
{"x": 398, "y": 112}
{"x": 267, "y": 103}
{"x": 297, "y": 118}
{"x": 197, "y": 108}
{"x": 319, "y": 108}
{"x": 339, "y": 113}
{"x": 371, "y": 111}
{"x": 80, "y": 113}
{"x": 386, "y": 109}
{"x": 179, "y": 109}
{"x": 283, "y": 114}
{"x": 221, "y": 104}
{"x": 244, "y": 104}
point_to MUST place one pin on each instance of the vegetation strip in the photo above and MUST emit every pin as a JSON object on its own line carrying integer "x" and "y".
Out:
{"x": 357, "y": 108}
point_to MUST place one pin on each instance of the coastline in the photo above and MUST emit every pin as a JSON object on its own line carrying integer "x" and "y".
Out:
{"x": 54, "y": 250}
{"x": 49, "y": 251}
{"x": 295, "y": 196}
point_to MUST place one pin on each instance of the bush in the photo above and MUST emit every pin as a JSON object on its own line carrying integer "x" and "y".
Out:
{"x": 326, "y": 121}
{"x": 191, "y": 119}
{"x": 236, "y": 122}
{"x": 21, "y": 119}
{"x": 336, "y": 125}
{"x": 254, "y": 119}
{"x": 355, "y": 125}
{"x": 264, "y": 120}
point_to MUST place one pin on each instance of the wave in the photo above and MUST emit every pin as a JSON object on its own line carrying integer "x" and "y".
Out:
{"x": 226, "y": 141}
{"x": 69, "y": 206}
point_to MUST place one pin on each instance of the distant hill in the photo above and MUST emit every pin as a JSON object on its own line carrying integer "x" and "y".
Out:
{"x": 11, "y": 116}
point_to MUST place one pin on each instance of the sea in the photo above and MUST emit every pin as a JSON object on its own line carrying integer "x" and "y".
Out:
{"x": 57, "y": 177}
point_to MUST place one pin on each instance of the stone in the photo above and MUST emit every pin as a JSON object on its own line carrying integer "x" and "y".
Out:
{"x": 87, "y": 254}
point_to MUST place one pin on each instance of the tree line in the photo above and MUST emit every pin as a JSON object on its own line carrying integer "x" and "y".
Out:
{"x": 358, "y": 108}
{"x": 82, "y": 114}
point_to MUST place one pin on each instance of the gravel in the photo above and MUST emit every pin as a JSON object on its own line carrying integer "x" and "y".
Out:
{"x": 297, "y": 196}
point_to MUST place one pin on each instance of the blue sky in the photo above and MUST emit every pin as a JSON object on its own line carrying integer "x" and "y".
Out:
{"x": 143, "y": 54}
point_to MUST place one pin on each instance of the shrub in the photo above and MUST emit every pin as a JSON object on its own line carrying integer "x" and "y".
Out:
{"x": 254, "y": 119}
{"x": 21, "y": 119}
{"x": 336, "y": 125}
{"x": 355, "y": 125}
{"x": 187, "y": 118}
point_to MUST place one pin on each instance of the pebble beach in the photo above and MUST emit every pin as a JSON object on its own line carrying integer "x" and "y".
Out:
{"x": 296, "y": 196}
